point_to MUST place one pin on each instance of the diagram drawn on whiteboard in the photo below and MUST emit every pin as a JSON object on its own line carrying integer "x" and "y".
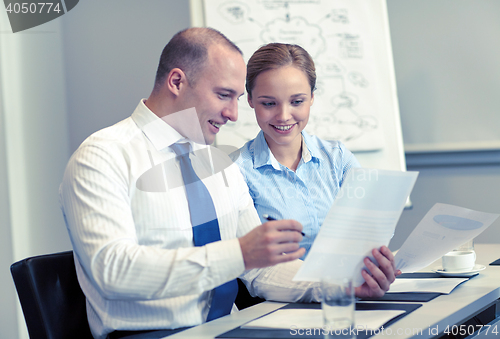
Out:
{"x": 346, "y": 101}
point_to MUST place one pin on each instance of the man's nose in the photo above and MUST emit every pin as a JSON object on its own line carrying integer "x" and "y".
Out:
{"x": 231, "y": 111}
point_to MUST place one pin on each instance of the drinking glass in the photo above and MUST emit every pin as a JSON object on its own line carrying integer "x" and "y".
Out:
{"x": 338, "y": 306}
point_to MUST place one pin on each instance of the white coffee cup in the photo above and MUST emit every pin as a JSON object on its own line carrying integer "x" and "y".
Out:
{"x": 459, "y": 261}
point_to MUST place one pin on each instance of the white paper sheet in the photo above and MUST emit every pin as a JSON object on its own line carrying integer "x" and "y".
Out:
{"x": 313, "y": 318}
{"x": 442, "y": 229}
{"x": 362, "y": 217}
{"x": 431, "y": 285}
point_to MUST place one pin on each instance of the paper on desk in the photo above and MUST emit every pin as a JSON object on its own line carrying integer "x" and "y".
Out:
{"x": 363, "y": 216}
{"x": 431, "y": 285}
{"x": 442, "y": 229}
{"x": 313, "y": 318}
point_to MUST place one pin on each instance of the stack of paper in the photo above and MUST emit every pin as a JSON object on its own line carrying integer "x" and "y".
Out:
{"x": 433, "y": 285}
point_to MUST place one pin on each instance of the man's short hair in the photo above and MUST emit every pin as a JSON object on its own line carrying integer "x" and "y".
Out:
{"x": 188, "y": 50}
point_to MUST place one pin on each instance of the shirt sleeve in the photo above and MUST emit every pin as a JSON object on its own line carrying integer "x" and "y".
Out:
{"x": 95, "y": 198}
{"x": 275, "y": 283}
{"x": 348, "y": 161}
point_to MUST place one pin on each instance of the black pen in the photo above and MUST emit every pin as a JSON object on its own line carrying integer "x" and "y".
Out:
{"x": 269, "y": 218}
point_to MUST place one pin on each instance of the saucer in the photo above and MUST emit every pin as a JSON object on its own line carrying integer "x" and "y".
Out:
{"x": 474, "y": 270}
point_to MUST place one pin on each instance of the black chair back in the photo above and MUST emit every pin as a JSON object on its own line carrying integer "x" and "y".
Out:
{"x": 52, "y": 301}
{"x": 244, "y": 299}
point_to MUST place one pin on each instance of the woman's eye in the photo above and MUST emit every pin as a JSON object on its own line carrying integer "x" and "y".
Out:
{"x": 297, "y": 102}
{"x": 268, "y": 104}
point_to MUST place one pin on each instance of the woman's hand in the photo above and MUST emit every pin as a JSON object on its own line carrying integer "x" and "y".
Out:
{"x": 381, "y": 277}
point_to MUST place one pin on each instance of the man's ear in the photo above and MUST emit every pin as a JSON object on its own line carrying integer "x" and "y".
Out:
{"x": 249, "y": 99}
{"x": 176, "y": 80}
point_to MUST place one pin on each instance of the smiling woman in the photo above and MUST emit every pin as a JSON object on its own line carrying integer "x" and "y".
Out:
{"x": 280, "y": 83}
{"x": 290, "y": 174}
{"x": 282, "y": 99}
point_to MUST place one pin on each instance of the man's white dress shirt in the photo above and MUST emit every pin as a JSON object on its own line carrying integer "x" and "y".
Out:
{"x": 129, "y": 223}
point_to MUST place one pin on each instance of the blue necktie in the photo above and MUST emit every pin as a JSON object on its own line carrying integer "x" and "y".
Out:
{"x": 205, "y": 227}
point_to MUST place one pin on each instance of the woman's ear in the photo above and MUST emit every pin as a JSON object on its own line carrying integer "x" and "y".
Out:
{"x": 312, "y": 98}
{"x": 249, "y": 99}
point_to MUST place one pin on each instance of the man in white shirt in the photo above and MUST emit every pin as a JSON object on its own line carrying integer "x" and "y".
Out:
{"x": 130, "y": 224}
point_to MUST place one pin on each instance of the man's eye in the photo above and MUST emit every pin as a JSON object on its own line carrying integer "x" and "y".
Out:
{"x": 223, "y": 96}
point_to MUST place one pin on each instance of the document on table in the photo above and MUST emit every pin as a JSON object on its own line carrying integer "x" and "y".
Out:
{"x": 442, "y": 229}
{"x": 313, "y": 318}
{"x": 431, "y": 285}
{"x": 363, "y": 217}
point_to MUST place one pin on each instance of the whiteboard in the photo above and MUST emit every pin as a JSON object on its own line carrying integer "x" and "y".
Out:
{"x": 349, "y": 40}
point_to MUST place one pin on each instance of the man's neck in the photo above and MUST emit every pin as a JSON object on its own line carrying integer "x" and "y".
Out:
{"x": 184, "y": 121}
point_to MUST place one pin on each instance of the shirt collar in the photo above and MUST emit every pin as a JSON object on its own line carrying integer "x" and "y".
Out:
{"x": 310, "y": 150}
{"x": 160, "y": 133}
{"x": 262, "y": 153}
{"x": 264, "y": 156}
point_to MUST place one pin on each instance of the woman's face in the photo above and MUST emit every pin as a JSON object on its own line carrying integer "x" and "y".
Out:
{"x": 282, "y": 100}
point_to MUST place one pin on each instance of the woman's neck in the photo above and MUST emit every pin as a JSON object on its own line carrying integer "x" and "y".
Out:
{"x": 288, "y": 155}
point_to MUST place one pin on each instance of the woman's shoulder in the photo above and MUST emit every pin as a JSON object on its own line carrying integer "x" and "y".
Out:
{"x": 244, "y": 155}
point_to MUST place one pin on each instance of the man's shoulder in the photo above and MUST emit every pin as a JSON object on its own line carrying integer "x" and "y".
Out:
{"x": 120, "y": 134}
{"x": 113, "y": 144}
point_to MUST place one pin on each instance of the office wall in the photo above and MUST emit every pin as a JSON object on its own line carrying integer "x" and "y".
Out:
{"x": 33, "y": 155}
{"x": 448, "y": 79}
{"x": 8, "y": 318}
{"x": 446, "y": 58}
{"x": 111, "y": 51}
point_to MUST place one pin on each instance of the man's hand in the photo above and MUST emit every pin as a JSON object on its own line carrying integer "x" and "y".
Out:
{"x": 381, "y": 277}
{"x": 272, "y": 243}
